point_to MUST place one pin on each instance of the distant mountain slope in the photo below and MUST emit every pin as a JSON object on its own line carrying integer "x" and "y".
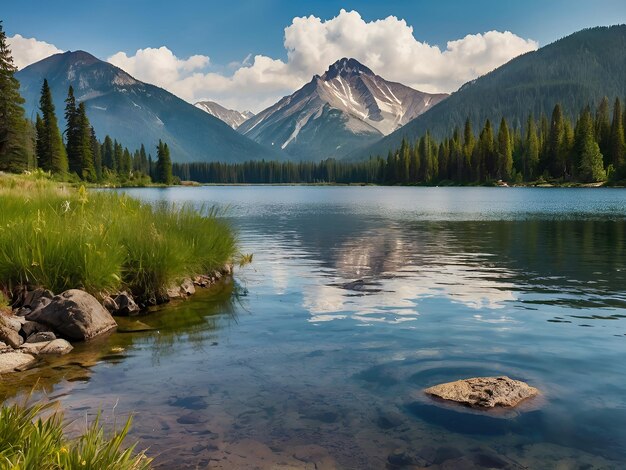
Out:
{"x": 134, "y": 112}
{"x": 232, "y": 117}
{"x": 347, "y": 107}
{"x": 577, "y": 70}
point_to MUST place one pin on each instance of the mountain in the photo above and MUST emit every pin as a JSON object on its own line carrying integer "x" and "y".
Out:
{"x": 134, "y": 112}
{"x": 231, "y": 117}
{"x": 575, "y": 71}
{"x": 347, "y": 107}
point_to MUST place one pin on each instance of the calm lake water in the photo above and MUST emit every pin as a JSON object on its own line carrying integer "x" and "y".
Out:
{"x": 360, "y": 297}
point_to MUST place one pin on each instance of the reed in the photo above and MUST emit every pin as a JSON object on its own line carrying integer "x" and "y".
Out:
{"x": 60, "y": 237}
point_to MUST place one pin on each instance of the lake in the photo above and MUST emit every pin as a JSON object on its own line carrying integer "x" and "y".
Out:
{"x": 357, "y": 299}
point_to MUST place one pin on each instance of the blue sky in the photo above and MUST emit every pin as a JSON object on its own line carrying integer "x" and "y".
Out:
{"x": 228, "y": 31}
{"x": 205, "y": 42}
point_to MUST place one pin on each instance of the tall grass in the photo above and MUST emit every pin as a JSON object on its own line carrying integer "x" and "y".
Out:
{"x": 62, "y": 238}
{"x": 30, "y": 441}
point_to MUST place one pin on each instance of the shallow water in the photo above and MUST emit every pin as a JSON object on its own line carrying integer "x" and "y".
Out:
{"x": 357, "y": 299}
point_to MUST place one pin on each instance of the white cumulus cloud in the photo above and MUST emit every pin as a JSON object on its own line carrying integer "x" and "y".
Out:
{"x": 388, "y": 46}
{"x": 27, "y": 51}
{"x": 159, "y": 66}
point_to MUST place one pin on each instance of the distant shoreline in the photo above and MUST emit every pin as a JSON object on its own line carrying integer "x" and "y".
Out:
{"x": 195, "y": 184}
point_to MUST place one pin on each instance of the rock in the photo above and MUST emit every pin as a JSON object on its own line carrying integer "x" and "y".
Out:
{"x": 33, "y": 348}
{"x": 401, "y": 458}
{"x": 4, "y": 347}
{"x": 22, "y": 311}
{"x": 14, "y": 361}
{"x": 8, "y": 335}
{"x": 191, "y": 418}
{"x": 76, "y": 315}
{"x": 41, "y": 337}
{"x": 31, "y": 327}
{"x": 14, "y": 322}
{"x": 174, "y": 292}
{"x": 201, "y": 281}
{"x": 58, "y": 346}
{"x": 33, "y": 298}
{"x": 484, "y": 392}
{"x": 110, "y": 304}
{"x": 134, "y": 327}
{"x": 125, "y": 304}
{"x": 42, "y": 303}
{"x": 187, "y": 287}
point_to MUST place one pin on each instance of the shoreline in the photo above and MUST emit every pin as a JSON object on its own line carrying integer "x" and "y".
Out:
{"x": 29, "y": 332}
{"x": 194, "y": 184}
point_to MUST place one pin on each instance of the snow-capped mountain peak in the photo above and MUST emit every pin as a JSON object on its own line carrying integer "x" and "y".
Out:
{"x": 346, "y": 68}
{"x": 231, "y": 117}
{"x": 349, "y": 105}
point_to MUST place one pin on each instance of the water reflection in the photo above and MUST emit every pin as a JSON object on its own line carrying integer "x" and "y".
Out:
{"x": 383, "y": 273}
{"x": 192, "y": 322}
{"x": 358, "y": 298}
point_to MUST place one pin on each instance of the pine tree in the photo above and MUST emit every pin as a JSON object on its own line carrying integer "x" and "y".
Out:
{"x": 51, "y": 155}
{"x": 97, "y": 154}
{"x": 108, "y": 157}
{"x": 15, "y": 132}
{"x": 505, "y": 152}
{"x": 118, "y": 155}
{"x": 72, "y": 133}
{"x": 143, "y": 159}
{"x": 485, "y": 154}
{"x": 590, "y": 166}
{"x": 125, "y": 164}
{"x": 554, "y": 150}
{"x": 164, "y": 164}
{"x": 617, "y": 146}
{"x": 87, "y": 169}
{"x": 414, "y": 166}
{"x": 603, "y": 127}
{"x": 531, "y": 150}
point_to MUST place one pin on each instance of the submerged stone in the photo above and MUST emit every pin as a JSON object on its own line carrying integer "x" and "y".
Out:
{"x": 484, "y": 392}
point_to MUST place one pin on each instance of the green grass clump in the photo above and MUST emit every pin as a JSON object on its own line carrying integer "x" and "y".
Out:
{"x": 30, "y": 441}
{"x": 61, "y": 238}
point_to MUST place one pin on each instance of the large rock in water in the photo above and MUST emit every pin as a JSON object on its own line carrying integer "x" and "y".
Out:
{"x": 484, "y": 392}
{"x": 76, "y": 315}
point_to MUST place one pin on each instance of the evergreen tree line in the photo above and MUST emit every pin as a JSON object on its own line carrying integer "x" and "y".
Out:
{"x": 83, "y": 155}
{"x": 26, "y": 147}
{"x": 590, "y": 149}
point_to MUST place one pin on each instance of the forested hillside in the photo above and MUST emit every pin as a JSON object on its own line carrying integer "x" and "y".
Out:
{"x": 576, "y": 71}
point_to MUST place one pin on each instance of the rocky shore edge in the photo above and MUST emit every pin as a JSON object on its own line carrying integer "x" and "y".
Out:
{"x": 40, "y": 323}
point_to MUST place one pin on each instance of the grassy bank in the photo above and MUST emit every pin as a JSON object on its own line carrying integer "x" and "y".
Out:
{"x": 61, "y": 237}
{"x": 32, "y": 437}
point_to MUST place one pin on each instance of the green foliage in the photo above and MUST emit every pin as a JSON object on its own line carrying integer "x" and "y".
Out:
{"x": 575, "y": 71}
{"x": 164, "y": 164}
{"x": 33, "y": 438}
{"x": 15, "y": 132}
{"x": 51, "y": 154}
{"x": 553, "y": 150}
{"x": 100, "y": 241}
